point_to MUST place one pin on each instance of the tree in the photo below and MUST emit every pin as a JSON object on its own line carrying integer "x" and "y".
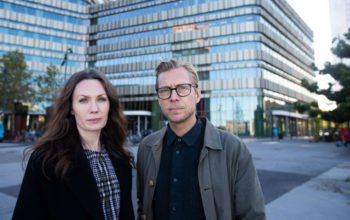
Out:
{"x": 301, "y": 107}
{"x": 15, "y": 81}
{"x": 341, "y": 73}
{"x": 48, "y": 85}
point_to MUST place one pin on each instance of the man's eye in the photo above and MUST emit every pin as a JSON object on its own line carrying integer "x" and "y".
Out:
{"x": 183, "y": 87}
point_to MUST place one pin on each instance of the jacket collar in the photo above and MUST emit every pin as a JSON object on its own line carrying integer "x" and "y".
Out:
{"x": 156, "y": 141}
{"x": 212, "y": 138}
{"x": 189, "y": 138}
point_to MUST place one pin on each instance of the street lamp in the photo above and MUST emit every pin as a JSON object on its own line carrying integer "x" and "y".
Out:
{"x": 65, "y": 60}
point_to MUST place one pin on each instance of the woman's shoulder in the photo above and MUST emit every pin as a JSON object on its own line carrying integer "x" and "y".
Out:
{"x": 39, "y": 162}
{"x": 35, "y": 156}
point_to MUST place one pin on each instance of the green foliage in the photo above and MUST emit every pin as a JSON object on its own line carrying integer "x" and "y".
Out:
{"x": 342, "y": 49}
{"x": 313, "y": 67}
{"x": 301, "y": 107}
{"x": 311, "y": 108}
{"x": 15, "y": 81}
{"x": 342, "y": 112}
{"x": 341, "y": 73}
{"x": 311, "y": 87}
{"x": 48, "y": 85}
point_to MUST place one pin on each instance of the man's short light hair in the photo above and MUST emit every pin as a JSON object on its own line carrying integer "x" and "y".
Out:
{"x": 168, "y": 65}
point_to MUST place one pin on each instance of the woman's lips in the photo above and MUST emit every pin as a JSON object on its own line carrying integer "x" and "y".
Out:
{"x": 95, "y": 120}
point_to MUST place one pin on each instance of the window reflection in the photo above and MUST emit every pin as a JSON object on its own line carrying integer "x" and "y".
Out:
{"x": 234, "y": 114}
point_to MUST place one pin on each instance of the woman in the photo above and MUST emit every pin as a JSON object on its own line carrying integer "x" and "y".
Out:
{"x": 79, "y": 169}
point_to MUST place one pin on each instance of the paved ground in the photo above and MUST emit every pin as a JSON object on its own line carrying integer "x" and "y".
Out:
{"x": 303, "y": 180}
{"x": 300, "y": 180}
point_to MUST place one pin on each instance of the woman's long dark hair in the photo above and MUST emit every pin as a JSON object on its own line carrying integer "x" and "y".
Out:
{"x": 61, "y": 141}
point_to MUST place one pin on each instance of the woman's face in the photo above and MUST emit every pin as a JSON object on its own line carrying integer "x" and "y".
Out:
{"x": 90, "y": 106}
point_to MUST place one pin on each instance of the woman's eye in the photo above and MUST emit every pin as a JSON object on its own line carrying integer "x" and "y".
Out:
{"x": 82, "y": 100}
{"x": 102, "y": 99}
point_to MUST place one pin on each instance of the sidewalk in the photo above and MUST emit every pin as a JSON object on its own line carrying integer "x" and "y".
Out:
{"x": 324, "y": 197}
{"x": 259, "y": 139}
{"x": 10, "y": 144}
{"x": 11, "y": 172}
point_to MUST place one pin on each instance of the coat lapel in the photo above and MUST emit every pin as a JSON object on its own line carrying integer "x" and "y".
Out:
{"x": 81, "y": 181}
{"x": 156, "y": 145}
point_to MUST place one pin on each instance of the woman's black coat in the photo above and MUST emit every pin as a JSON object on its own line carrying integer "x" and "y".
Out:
{"x": 74, "y": 196}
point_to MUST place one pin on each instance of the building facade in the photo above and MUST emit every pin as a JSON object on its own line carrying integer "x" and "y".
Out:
{"x": 251, "y": 56}
{"x": 44, "y": 31}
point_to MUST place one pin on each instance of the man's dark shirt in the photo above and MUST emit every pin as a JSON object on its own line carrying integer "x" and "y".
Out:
{"x": 177, "y": 194}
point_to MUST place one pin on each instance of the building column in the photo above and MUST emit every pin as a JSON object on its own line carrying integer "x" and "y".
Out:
{"x": 287, "y": 126}
{"x": 138, "y": 125}
{"x": 145, "y": 125}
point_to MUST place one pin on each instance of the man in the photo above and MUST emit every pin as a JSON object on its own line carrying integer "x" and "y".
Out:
{"x": 190, "y": 169}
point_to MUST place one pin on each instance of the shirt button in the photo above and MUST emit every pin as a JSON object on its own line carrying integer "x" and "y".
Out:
{"x": 175, "y": 180}
{"x": 179, "y": 140}
{"x": 177, "y": 152}
{"x": 151, "y": 183}
{"x": 173, "y": 209}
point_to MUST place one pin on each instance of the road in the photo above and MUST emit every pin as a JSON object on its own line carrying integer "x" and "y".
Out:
{"x": 282, "y": 166}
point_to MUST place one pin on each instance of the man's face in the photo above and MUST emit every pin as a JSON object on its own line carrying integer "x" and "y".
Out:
{"x": 178, "y": 110}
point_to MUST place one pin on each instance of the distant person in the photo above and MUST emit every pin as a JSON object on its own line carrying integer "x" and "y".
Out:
{"x": 79, "y": 168}
{"x": 190, "y": 169}
{"x": 2, "y": 131}
{"x": 275, "y": 133}
{"x": 280, "y": 136}
{"x": 344, "y": 136}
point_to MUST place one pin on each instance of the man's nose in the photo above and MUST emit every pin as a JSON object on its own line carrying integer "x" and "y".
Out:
{"x": 173, "y": 94}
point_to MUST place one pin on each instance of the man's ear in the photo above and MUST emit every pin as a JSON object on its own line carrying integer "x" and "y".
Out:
{"x": 198, "y": 94}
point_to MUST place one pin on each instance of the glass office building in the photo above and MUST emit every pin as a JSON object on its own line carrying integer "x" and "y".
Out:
{"x": 44, "y": 31}
{"x": 251, "y": 56}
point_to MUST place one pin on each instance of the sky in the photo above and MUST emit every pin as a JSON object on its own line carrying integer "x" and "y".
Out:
{"x": 315, "y": 13}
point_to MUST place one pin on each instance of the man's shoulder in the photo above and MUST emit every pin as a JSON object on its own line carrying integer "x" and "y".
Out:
{"x": 230, "y": 140}
{"x": 153, "y": 138}
{"x": 223, "y": 135}
{"x": 225, "y": 140}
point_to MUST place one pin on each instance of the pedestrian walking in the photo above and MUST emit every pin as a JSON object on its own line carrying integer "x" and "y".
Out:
{"x": 344, "y": 136}
{"x": 275, "y": 133}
